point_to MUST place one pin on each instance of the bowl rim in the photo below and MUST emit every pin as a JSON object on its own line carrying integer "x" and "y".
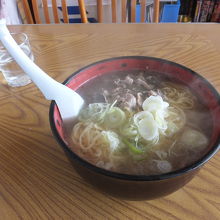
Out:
{"x": 130, "y": 177}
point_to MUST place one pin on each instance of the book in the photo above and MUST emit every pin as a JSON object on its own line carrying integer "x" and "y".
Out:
{"x": 198, "y": 11}
{"x": 216, "y": 12}
{"x": 211, "y": 10}
{"x": 204, "y": 10}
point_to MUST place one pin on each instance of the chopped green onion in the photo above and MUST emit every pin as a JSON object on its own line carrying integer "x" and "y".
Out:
{"x": 114, "y": 118}
{"x": 132, "y": 147}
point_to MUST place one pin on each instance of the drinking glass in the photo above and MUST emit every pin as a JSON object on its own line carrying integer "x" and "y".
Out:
{"x": 12, "y": 73}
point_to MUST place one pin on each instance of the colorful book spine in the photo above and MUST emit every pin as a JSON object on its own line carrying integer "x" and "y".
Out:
{"x": 198, "y": 11}
{"x": 204, "y": 10}
{"x": 216, "y": 12}
{"x": 211, "y": 10}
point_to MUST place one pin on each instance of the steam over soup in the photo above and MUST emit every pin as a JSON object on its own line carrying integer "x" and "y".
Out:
{"x": 141, "y": 124}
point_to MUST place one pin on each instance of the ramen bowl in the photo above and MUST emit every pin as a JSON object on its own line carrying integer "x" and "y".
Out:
{"x": 140, "y": 187}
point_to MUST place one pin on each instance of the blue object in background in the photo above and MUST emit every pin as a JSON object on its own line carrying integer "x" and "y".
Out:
{"x": 78, "y": 20}
{"x": 138, "y": 13}
{"x": 74, "y": 10}
{"x": 170, "y": 12}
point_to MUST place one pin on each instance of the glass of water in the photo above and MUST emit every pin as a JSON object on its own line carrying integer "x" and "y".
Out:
{"x": 12, "y": 73}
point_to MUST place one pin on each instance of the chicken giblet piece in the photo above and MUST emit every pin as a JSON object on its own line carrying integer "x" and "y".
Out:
{"x": 129, "y": 102}
{"x": 128, "y": 80}
{"x": 140, "y": 99}
{"x": 143, "y": 83}
{"x": 151, "y": 92}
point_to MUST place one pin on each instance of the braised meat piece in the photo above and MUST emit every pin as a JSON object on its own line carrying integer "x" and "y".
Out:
{"x": 130, "y": 92}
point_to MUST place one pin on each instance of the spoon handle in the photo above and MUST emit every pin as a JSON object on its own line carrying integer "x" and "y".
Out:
{"x": 45, "y": 83}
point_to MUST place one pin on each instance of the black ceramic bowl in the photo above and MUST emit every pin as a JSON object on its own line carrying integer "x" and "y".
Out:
{"x": 142, "y": 187}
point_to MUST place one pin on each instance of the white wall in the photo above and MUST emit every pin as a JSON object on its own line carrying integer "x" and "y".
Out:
{"x": 10, "y": 12}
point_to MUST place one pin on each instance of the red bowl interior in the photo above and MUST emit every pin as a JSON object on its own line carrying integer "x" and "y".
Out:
{"x": 201, "y": 87}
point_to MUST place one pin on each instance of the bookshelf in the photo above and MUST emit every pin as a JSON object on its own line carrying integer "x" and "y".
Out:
{"x": 200, "y": 11}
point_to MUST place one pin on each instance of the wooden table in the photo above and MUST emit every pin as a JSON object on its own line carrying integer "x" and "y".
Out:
{"x": 37, "y": 181}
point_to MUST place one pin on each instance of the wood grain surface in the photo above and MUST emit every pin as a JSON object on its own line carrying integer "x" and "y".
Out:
{"x": 37, "y": 181}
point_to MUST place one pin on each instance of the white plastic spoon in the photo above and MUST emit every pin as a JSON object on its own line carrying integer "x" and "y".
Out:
{"x": 68, "y": 101}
